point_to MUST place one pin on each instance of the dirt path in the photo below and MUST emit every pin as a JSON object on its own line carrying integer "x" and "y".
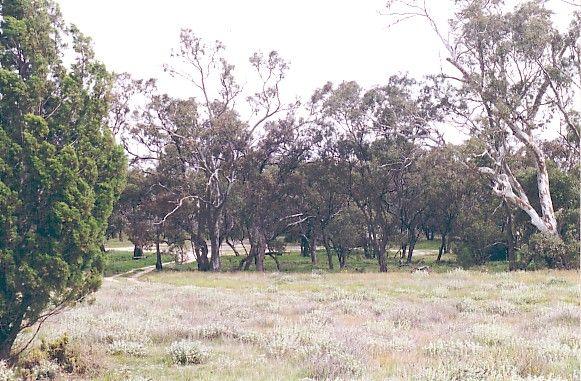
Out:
{"x": 135, "y": 274}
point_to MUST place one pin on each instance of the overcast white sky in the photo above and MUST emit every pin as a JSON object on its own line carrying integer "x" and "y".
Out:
{"x": 324, "y": 40}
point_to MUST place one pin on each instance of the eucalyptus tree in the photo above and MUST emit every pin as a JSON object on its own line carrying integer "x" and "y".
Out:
{"x": 448, "y": 183}
{"x": 206, "y": 132}
{"x": 135, "y": 211}
{"x": 513, "y": 74}
{"x": 60, "y": 169}
{"x": 272, "y": 186}
{"x": 346, "y": 232}
{"x": 379, "y": 134}
{"x": 343, "y": 112}
{"x": 325, "y": 196}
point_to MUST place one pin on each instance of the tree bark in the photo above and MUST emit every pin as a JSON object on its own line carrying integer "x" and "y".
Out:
{"x": 341, "y": 255}
{"x": 382, "y": 254}
{"x": 260, "y": 251}
{"x": 215, "y": 250}
{"x": 510, "y": 239}
{"x": 313, "y": 248}
{"x": 442, "y": 248}
{"x": 245, "y": 263}
{"x": 7, "y": 338}
{"x": 328, "y": 250}
{"x": 381, "y": 258}
{"x": 137, "y": 251}
{"x": 412, "y": 238}
{"x": 158, "y": 264}
{"x": 404, "y": 247}
{"x": 233, "y": 247}
{"x": 304, "y": 245}
{"x": 201, "y": 252}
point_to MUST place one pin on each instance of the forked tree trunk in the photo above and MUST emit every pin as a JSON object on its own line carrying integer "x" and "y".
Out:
{"x": 342, "y": 261}
{"x": 245, "y": 263}
{"x": 341, "y": 256}
{"x": 507, "y": 186}
{"x": 201, "y": 252}
{"x": 404, "y": 247}
{"x": 328, "y": 249}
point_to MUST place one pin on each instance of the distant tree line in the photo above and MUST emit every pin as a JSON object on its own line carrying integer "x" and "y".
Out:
{"x": 368, "y": 169}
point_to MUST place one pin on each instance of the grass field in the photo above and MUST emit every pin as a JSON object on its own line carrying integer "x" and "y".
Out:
{"x": 453, "y": 325}
{"x": 118, "y": 261}
{"x": 293, "y": 262}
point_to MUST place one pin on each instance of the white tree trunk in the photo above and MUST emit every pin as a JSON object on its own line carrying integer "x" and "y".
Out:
{"x": 507, "y": 187}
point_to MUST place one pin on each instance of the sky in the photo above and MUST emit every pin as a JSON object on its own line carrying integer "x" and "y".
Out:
{"x": 324, "y": 40}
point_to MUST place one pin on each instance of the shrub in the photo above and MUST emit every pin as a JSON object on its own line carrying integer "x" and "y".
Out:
{"x": 549, "y": 251}
{"x": 60, "y": 352}
{"x": 187, "y": 352}
{"x": 333, "y": 365}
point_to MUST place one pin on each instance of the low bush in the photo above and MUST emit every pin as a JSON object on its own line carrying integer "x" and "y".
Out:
{"x": 60, "y": 352}
{"x": 187, "y": 352}
{"x": 549, "y": 251}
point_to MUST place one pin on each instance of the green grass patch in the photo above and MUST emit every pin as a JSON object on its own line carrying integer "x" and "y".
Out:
{"x": 293, "y": 262}
{"x": 115, "y": 243}
{"x": 118, "y": 262}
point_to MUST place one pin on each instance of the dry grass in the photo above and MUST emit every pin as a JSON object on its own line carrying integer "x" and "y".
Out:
{"x": 459, "y": 325}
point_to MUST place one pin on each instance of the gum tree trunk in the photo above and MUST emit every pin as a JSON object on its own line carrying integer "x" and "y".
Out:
{"x": 201, "y": 252}
{"x": 328, "y": 250}
{"x": 313, "y": 248}
{"x": 158, "y": 264}
{"x": 138, "y": 251}
{"x": 412, "y": 238}
{"x": 442, "y": 248}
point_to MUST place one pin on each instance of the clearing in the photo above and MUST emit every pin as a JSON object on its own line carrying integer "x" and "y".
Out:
{"x": 283, "y": 326}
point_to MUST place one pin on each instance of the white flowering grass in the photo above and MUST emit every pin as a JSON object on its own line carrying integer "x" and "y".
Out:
{"x": 349, "y": 326}
{"x": 187, "y": 352}
{"x": 6, "y": 374}
{"x": 128, "y": 348}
